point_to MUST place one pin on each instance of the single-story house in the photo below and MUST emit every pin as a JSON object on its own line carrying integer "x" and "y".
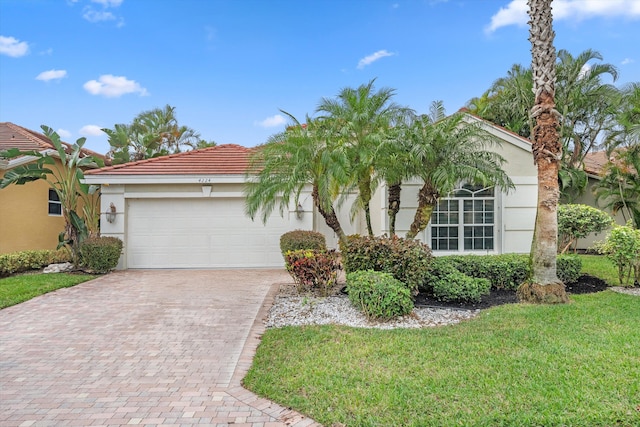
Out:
{"x": 187, "y": 210}
{"x": 30, "y": 214}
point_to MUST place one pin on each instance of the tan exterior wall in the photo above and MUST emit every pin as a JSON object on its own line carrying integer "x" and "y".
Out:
{"x": 25, "y": 223}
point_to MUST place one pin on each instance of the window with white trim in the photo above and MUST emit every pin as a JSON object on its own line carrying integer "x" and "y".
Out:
{"x": 55, "y": 206}
{"x": 465, "y": 220}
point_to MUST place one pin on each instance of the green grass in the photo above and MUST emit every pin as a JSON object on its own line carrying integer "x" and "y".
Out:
{"x": 576, "y": 364}
{"x": 600, "y": 266}
{"x": 20, "y": 288}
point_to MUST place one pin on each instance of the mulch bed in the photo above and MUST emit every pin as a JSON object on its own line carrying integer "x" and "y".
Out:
{"x": 585, "y": 285}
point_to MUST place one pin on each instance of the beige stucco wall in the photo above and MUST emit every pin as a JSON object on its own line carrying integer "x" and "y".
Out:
{"x": 25, "y": 223}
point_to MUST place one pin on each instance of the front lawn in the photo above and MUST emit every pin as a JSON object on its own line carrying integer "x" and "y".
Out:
{"x": 573, "y": 365}
{"x": 17, "y": 289}
{"x": 600, "y": 266}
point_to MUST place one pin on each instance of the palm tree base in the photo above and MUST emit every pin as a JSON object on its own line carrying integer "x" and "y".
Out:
{"x": 536, "y": 293}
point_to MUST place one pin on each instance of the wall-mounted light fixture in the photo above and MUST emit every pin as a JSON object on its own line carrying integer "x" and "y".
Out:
{"x": 111, "y": 213}
{"x": 299, "y": 211}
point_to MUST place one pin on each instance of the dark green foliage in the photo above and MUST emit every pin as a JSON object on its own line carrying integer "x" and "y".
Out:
{"x": 379, "y": 295}
{"x": 18, "y": 262}
{"x": 449, "y": 284}
{"x": 302, "y": 239}
{"x": 568, "y": 268}
{"x": 313, "y": 269}
{"x": 506, "y": 271}
{"x": 405, "y": 259}
{"x": 578, "y": 221}
{"x": 100, "y": 254}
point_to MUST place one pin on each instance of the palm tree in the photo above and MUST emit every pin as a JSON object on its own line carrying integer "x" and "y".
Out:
{"x": 360, "y": 120}
{"x": 544, "y": 285}
{"x": 588, "y": 105}
{"x": 152, "y": 133}
{"x": 291, "y": 160}
{"x": 446, "y": 151}
{"x": 619, "y": 189}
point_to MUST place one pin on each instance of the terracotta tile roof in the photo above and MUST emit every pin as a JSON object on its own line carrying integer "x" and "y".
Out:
{"x": 226, "y": 159}
{"x": 14, "y": 136}
{"x": 594, "y": 162}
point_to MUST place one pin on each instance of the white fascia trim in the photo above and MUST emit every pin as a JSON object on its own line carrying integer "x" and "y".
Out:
{"x": 503, "y": 134}
{"x": 164, "y": 179}
{"x": 10, "y": 164}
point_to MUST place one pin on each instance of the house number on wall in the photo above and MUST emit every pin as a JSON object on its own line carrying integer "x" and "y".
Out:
{"x": 202, "y": 180}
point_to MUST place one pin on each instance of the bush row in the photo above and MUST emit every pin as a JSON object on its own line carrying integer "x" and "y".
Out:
{"x": 17, "y": 262}
{"x": 99, "y": 254}
{"x": 508, "y": 271}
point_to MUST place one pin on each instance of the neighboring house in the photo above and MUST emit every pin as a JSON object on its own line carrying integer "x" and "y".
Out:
{"x": 594, "y": 166}
{"x": 30, "y": 214}
{"x": 187, "y": 210}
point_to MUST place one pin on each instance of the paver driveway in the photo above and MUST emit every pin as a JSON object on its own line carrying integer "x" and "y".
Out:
{"x": 139, "y": 347}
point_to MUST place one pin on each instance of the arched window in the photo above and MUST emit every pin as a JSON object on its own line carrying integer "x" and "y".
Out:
{"x": 465, "y": 220}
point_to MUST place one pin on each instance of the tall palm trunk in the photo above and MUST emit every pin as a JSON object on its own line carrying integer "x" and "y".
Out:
{"x": 364, "y": 187}
{"x": 394, "y": 206}
{"x": 330, "y": 217}
{"x": 544, "y": 285}
{"x": 427, "y": 199}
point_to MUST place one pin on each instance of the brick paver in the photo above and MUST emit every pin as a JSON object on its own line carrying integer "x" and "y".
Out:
{"x": 146, "y": 348}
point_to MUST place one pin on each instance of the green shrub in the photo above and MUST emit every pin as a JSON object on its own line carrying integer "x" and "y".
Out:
{"x": 449, "y": 284}
{"x": 505, "y": 271}
{"x": 568, "y": 268}
{"x": 313, "y": 269}
{"x": 17, "y": 262}
{"x": 302, "y": 239}
{"x": 578, "y": 221}
{"x": 379, "y": 295}
{"x": 622, "y": 247}
{"x": 407, "y": 260}
{"x": 100, "y": 254}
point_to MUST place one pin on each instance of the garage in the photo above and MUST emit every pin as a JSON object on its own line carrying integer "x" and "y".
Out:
{"x": 187, "y": 210}
{"x": 200, "y": 233}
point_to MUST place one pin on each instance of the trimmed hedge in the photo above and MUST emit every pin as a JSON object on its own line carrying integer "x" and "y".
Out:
{"x": 379, "y": 295}
{"x": 18, "y": 262}
{"x": 568, "y": 268}
{"x": 506, "y": 271}
{"x": 407, "y": 260}
{"x": 100, "y": 254}
{"x": 447, "y": 283}
{"x": 302, "y": 239}
{"x": 313, "y": 269}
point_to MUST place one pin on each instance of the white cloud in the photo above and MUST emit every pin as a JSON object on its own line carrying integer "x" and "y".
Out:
{"x": 91, "y": 130}
{"x": 515, "y": 13}
{"x": 273, "y": 121}
{"x": 51, "y": 75}
{"x": 64, "y": 133}
{"x": 11, "y": 46}
{"x": 372, "y": 58}
{"x": 98, "y": 16}
{"x": 626, "y": 61}
{"x": 114, "y": 86}
{"x": 108, "y": 3}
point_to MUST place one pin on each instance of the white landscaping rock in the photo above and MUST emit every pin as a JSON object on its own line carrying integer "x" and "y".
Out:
{"x": 338, "y": 310}
{"x": 58, "y": 268}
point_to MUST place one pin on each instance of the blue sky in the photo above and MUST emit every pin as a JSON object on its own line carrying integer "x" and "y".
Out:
{"x": 229, "y": 66}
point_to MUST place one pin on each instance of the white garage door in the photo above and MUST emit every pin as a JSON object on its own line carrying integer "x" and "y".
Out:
{"x": 200, "y": 233}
